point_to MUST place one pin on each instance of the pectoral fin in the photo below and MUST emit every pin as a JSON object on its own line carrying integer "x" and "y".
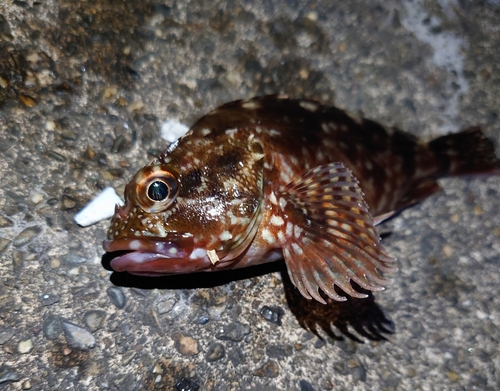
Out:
{"x": 328, "y": 236}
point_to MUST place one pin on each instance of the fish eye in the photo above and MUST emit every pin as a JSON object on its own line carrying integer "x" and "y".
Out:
{"x": 158, "y": 191}
{"x": 156, "y": 188}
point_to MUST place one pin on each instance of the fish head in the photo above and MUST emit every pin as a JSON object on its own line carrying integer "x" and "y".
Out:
{"x": 196, "y": 207}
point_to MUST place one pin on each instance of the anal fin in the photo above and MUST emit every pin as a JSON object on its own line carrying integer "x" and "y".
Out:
{"x": 328, "y": 236}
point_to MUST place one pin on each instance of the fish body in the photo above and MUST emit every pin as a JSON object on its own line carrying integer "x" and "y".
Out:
{"x": 268, "y": 178}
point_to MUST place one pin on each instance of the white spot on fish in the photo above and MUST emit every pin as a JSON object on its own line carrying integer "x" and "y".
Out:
{"x": 277, "y": 220}
{"x": 268, "y": 236}
{"x": 135, "y": 245}
{"x": 250, "y": 105}
{"x": 311, "y": 106}
{"x": 226, "y": 235}
{"x": 198, "y": 253}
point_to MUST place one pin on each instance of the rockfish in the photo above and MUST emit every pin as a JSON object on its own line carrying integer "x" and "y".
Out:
{"x": 272, "y": 178}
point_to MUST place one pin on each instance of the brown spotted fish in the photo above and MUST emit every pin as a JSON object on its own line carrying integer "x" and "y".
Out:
{"x": 269, "y": 178}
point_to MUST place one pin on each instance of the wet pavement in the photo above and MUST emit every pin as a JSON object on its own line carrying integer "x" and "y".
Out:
{"x": 84, "y": 89}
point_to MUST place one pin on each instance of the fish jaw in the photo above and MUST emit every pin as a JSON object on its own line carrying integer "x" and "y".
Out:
{"x": 174, "y": 254}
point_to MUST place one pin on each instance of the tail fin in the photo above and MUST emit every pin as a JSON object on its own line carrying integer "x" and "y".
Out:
{"x": 468, "y": 152}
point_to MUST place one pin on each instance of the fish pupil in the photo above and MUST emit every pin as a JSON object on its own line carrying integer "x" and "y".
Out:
{"x": 158, "y": 191}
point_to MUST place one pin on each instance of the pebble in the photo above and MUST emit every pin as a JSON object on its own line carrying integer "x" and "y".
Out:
{"x": 4, "y": 244}
{"x": 236, "y": 356}
{"x": 8, "y": 374}
{"x": 27, "y": 100}
{"x": 26, "y": 385}
{"x": 5, "y": 222}
{"x": 56, "y": 156}
{"x": 37, "y": 198}
{"x": 117, "y": 297}
{"x": 52, "y": 328}
{"x": 276, "y": 351}
{"x": 185, "y": 345}
{"x": 78, "y": 337}
{"x": 18, "y": 258}
{"x": 72, "y": 259}
{"x": 215, "y": 352}
{"x": 203, "y": 319}
{"x": 67, "y": 202}
{"x": 233, "y": 332}
{"x": 305, "y": 386}
{"x": 272, "y": 314}
{"x": 5, "y": 335}
{"x": 270, "y": 369}
{"x": 186, "y": 384}
{"x": 25, "y": 346}
{"x": 49, "y": 299}
{"x": 94, "y": 319}
{"x": 128, "y": 357}
{"x": 27, "y": 236}
{"x": 119, "y": 145}
{"x": 166, "y": 305}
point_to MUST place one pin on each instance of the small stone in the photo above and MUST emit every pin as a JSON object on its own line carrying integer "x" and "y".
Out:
{"x": 26, "y": 385}
{"x": 117, "y": 297}
{"x": 5, "y": 222}
{"x": 56, "y": 156}
{"x": 27, "y": 100}
{"x": 4, "y": 244}
{"x": 276, "y": 351}
{"x": 185, "y": 345}
{"x": 94, "y": 319}
{"x": 110, "y": 92}
{"x": 49, "y": 299}
{"x": 453, "y": 376}
{"x": 455, "y": 218}
{"x": 203, "y": 319}
{"x": 55, "y": 263}
{"x": 78, "y": 337}
{"x": 18, "y": 258}
{"x": 67, "y": 202}
{"x": 236, "y": 356}
{"x": 119, "y": 145}
{"x": 233, "y": 332}
{"x": 52, "y": 328}
{"x": 272, "y": 314}
{"x": 186, "y": 384}
{"x": 270, "y": 369}
{"x": 305, "y": 386}
{"x": 25, "y": 346}
{"x": 37, "y": 198}
{"x": 50, "y": 125}
{"x": 5, "y": 335}
{"x": 215, "y": 352}
{"x": 8, "y": 374}
{"x": 27, "y": 236}
{"x": 448, "y": 251}
{"x": 73, "y": 259}
{"x": 128, "y": 357}
{"x": 166, "y": 305}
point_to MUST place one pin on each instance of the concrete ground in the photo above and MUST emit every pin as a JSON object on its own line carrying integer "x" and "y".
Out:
{"x": 84, "y": 88}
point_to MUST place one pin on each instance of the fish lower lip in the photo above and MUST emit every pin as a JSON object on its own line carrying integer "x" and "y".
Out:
{"x": 151, "y": 264}
{"x": 152, "y": 256}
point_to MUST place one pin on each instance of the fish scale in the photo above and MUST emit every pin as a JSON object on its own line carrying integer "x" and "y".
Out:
{"x": 257, "y": 180}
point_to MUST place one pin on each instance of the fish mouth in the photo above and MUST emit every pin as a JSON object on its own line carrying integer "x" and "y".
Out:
{"x": 148, "y": 256}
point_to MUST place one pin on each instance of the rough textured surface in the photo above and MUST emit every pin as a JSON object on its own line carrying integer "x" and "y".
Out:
{"x": 84, "y": 87}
